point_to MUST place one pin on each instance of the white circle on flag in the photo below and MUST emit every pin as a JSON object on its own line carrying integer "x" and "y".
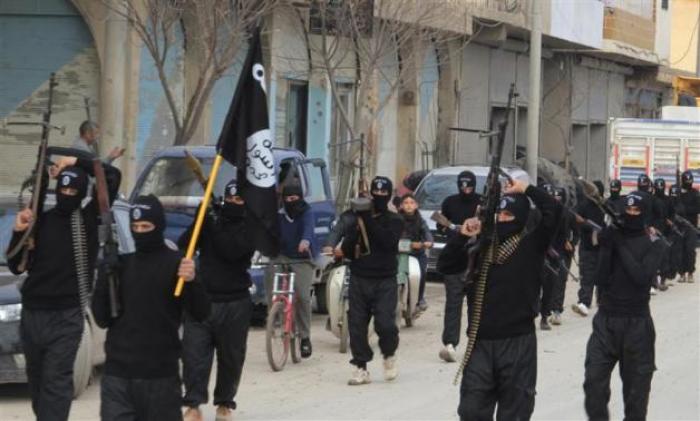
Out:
{"x": 137, "y": 213}
{"x": 630, "y": 201}
{"x": 65, "y": 181}
{"x": 260, "y": 164}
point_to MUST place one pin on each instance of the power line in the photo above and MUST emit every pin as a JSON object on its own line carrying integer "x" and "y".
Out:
{"x": 690, "y": 41}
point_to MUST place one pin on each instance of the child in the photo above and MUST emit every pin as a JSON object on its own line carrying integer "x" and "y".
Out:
{"x": 417, "y": 231}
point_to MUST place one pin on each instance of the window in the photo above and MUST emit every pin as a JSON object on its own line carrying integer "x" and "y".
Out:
{"x": 297, "y": 102}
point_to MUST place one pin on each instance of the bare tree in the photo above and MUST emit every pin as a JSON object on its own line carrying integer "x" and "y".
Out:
{"x": 377, "y": 43}
{"x": 214, "y": 30}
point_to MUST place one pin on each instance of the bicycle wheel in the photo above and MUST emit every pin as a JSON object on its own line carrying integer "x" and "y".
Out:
{"x": 276, "y": 339}
{"x": 295, "y": 347}
{"x": 344, "y": 333}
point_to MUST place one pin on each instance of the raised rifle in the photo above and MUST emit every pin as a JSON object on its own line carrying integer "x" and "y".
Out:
{"x": 109, "y": 247}
{"x": 39, "y": 176}
{"x": 482, "y": 253}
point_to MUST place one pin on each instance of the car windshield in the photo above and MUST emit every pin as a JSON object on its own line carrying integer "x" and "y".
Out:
{"x": 171, "y": 177}
{"x": 436, "y": 187}
{"x": 7, "y": 220}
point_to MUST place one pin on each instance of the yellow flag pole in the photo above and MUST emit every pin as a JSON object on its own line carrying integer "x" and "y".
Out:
{"x": 200, "y": 218}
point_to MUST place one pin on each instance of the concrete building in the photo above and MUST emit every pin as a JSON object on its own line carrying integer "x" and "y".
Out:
{"x": 600, "y": 60}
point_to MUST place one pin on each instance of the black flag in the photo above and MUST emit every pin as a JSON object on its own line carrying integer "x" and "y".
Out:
{"x": 246, "y": 142}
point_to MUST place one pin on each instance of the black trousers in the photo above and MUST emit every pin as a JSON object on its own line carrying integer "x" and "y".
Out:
{"x": 629, "y": 341}
{"x": 559, "y": 284}
{"x": 454, "y": 302}
{"x": 588, "y": 262}
{"x": 367, "y": 298}
{"x": 50, "y": 341}
{"x": 226, "y": 332}
{"x": 689, "y": 241}
{"x": 549, "y": 278}
{"x": 140, "y": 399}
{"x": 503, "y": 373}
{"x": 676, "y": 254}
{"x": 423, "y": 262}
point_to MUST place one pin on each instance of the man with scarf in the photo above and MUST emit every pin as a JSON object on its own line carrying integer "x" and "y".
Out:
{"x": 588, "y": 251}
{"x": 558, "y": 259}
{"x": 623, "y": 330}
{"x": 457, "y": 209}
{"x": 615, "y": 200}
{"x": 688, "y": 208}
{"x": 55, "y": 293}
{"x": 373, "y": 285}
{"x": 141, "y": 374}
{"x": 296, "y": 222}
{"x": 664, "y": 226}
{"x": 225, "y": 253}
{"x": 502, "y": 370}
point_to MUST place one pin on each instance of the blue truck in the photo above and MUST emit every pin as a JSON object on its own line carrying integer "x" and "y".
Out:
{"x": 168, "y": 177}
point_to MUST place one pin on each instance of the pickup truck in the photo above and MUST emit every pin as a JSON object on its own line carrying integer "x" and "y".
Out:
{"x": 168, "y": 177}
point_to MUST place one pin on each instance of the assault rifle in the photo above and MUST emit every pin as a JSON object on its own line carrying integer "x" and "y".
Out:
{"x": 26, "y": 243}
{"x": 556, "y": 256}
{"x": 482, "y": 253}
{"x": 109, "y": 247}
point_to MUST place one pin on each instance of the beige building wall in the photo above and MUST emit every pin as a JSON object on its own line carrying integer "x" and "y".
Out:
{"x": 684, "y": 35}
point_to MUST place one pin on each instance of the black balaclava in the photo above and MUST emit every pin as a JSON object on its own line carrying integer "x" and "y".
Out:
{"x": 643, "y": 183}
{"x": 674, "y": 191}
{"x": 519, "y": 206}
{"x": 634, "y": 224}
{"x": 600, "y": 186}
{"x": 687, "y": 180}
{"x": 232, "y": 211}
{"x": 382, "y": 184}
{"x": 74, "y": 178}
{"x": 548, "y": 188}
{"x": 296, "y": 208}
{"x": 615, "y": 188}
{"x": 660, "y": 187}
{"x": 148, "y": 209}
{"x": 560, "y": 194}
{"x": 466, "y": 179}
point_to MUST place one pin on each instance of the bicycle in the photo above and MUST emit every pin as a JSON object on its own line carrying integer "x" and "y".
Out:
{"x": 281, "y": 337}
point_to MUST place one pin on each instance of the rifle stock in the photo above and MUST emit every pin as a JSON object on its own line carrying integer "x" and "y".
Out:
{"x": 109, "y": 248}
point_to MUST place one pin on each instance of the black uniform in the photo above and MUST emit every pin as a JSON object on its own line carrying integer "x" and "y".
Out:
{"x": 225, "y": 253}
{"x": 588, "y": 250}
{"x": 373, "y": 285}
{"x": 141, "y": 374}
{"x": 615, "y": 201}
{"x": 559, "y": 259}
{"x": 677, "y": 235}
{"x": 665, "y": 270}
{"x": 52, "y": 319}
{"x": 503, "y": 366}
{"x": 623, "y": 330}
{"x": 457, "y": 208}
{"x": 688, "y": 208}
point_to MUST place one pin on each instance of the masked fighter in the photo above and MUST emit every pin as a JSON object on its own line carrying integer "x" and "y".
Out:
{"x": 55, "y": 293}
{"x": 296, "y": 222}
{"x": 588, "y": 252}
{"x": 373, "y": 285}
{"x": 141, "y": 375}
{"x": 559, "y": 256}
{"x": 502, "y": 370}
{"x": 615, "y": 200}
{"x": 688, "y": 208}
{"x": 225, "y": 253}
{"x": 456, "y": 208}
{"x": 623, "y": 330}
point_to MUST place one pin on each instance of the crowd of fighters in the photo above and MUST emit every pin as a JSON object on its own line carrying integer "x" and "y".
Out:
{"x": 649, "y": 243}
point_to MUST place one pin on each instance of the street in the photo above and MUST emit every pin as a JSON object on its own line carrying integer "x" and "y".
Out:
{"x": 316, "y": 388}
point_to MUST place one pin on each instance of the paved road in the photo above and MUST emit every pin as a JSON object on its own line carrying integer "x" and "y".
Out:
{"x": 316, "y": 390}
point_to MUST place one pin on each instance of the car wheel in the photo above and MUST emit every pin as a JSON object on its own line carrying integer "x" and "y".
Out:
{"x": 82, "y": 368}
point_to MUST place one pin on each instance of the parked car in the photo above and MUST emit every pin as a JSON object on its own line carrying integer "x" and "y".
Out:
{"x": 438, "y": 185}
{"x": 12, "y": 361}
{"x": 167, "y": 176}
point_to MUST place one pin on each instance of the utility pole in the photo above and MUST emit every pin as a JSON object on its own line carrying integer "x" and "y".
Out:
{"x": 533, "y": 111}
